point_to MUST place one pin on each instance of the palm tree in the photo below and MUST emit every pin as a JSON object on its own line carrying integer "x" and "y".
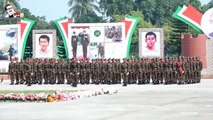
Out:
{"x": 82, "y": 7}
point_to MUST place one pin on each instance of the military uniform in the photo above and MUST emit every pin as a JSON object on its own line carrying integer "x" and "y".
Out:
{"x": 12, "y": 71}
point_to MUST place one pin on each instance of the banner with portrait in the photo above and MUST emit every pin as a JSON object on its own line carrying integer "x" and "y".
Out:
{"x": 9, "y": 39}
{"x": 44, "y": 44}
{"x": 96, "y": 40}
{"x": 151, "y": 42}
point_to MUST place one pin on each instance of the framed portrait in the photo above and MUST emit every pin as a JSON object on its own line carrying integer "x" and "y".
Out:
{"x": 44, "y": 44}
{"x": 151, "y": 42}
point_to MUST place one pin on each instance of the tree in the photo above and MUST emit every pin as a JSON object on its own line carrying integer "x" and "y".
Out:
{"x": 117, "y": 7}
{"x": 204, "y": 8}
{"x": 173, "y": 46}
{"x": 80, "y": 8}
{"x": 91, "y": 17}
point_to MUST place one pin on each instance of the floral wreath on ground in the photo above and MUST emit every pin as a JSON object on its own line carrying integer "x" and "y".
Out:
{"x": 58, "y": 96}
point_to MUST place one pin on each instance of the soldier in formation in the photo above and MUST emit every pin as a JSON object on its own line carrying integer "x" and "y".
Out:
{"x": 182, "y": 70}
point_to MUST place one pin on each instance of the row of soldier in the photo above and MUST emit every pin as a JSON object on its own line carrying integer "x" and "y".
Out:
{"x": 183, "y": 70}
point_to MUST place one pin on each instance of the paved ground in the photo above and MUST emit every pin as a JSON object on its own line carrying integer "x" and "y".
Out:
{"x": 134, "y": 102}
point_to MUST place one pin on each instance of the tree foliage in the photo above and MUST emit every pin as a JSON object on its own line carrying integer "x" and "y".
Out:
{"x": 80, "y": 8}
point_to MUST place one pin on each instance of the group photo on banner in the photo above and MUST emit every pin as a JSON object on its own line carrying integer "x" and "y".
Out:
{"x": 96, "y": 41}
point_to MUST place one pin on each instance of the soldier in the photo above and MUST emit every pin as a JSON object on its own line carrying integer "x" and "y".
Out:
{"x": 117, "y": 71}
{"x": 161, "y": 71}
{"x": 180, "y": 71}
{"x": 166, "y": 71}
{"x": 110, "y": 71}
{"x": 34, "y": 71}
{"x": 45, "y": 71}
{"x": 75, "y": 72}
{"x": 60, "y": 72}
{"x": 199, "y": 67}
{"x": 12, "y": 71}
{"x": 133, "y": 71}
{"x": 187, "y": 70}
{"x": 82, "y": 71}
{"x": 100, "y": 50}
{"x": 39, "y": 71}
{"x": 68, "y": 72}
{"x": 85, "y": 43}
{"x": 101, "y": 71}
{"x": 29, "y": 72}
{"x": 143, "y": 76}
{"x": 17, "y": 71}
{"x": 124, "y": 72}
{"x": 139, "y": 71}
{"x": 88, "y": 70}
{"x": 154, "y": 71}
{"x": 174, "y": 70}
{"x": 74, "y": 42}
{"x": 92, "y": 68}
{"x": 21, "y": 72}
{"x": 148, "y": 69}
{"x": 129, "y": 75}
{"x": 113, "y": 71}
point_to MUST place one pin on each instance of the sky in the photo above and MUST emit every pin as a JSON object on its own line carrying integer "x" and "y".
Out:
{"x": 53, "y": 9}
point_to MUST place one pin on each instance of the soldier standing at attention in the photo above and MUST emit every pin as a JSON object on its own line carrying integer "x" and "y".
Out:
{"x": 12, "y": 71}
{"x": 92, "y": 68}
{"x": 88, "y": 71}
{"x": 68, "y": 72}
{"x": 39, "y": 71}
{"x": 75, "y": 73}
{"x": 124, "y": 72}
{"x": 154, "y": 71}
{"x": 85, "y": 43}
{"x": 17, "y": 71}
{"x": 199, "y": 65}
{"x": 34, "y": 71}
{"x": 139, "y": 72}
{"x": 45, "y": 69}
{"x": 74, "y": 44}
{"x": 166, "y": 71}
{"x": 29, "y": 72}
{"x": 21, "y": 71}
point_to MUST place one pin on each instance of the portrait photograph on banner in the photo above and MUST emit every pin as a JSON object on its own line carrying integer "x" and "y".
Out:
{"x": 94, "y": 40}
{"x": 44, "y": 44}
{"x": 151, "y": 42}
{"x": 9, "y": 37}
{"x": 78, "y": 43}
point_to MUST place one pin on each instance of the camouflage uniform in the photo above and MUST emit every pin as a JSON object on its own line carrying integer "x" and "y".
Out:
{"x": 17, "y": 72}
{"x": 124, "y": 72}
{"x": 21, "y": 72}
{"x": 40, "y": 71}
{"x": 12, "y": 71}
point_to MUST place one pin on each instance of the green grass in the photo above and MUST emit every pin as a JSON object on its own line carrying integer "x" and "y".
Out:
{"x": 31, "y": 91}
